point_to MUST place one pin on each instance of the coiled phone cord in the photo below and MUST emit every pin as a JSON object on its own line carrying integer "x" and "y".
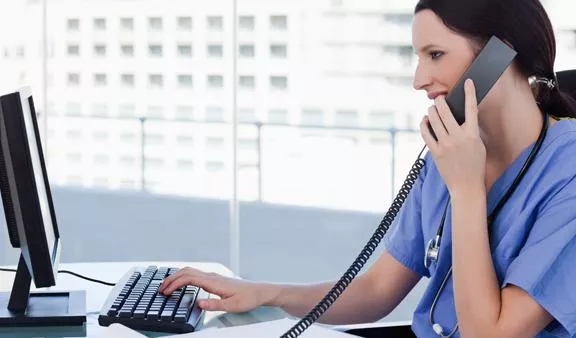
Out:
{"x": 364, "y": 255}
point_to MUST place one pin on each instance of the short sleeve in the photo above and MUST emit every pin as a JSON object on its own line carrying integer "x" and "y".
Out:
{"x": 546, "y": 265}
{"x": 404, "y": 241}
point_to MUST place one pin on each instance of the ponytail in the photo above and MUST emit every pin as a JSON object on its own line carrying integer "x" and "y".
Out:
{"x": 553, "y": 100}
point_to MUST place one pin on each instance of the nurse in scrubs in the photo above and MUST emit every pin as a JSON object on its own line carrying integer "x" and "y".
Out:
{"x": 491, "y": 220}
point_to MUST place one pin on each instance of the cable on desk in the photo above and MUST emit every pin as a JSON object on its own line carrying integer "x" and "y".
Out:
{"x": 73, "y": 274}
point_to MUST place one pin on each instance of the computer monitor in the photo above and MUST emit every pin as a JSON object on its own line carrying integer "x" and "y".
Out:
{"x": 31, "y": 221}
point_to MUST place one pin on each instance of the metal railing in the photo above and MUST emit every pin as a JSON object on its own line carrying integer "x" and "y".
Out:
{"x": 391, "y": 133}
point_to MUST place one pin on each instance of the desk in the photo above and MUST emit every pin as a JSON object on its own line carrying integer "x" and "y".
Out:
{"x": 96, "y": 294}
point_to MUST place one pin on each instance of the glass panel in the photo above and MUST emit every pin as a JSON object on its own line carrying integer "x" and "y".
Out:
{"x": 129, "y": 99}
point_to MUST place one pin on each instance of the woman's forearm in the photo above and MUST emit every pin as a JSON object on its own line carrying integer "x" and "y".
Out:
{"x": 476, "y": 288}
{"x": 358, "y": 304}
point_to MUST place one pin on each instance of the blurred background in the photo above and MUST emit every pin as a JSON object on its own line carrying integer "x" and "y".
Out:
{"x": 270, "y": 136}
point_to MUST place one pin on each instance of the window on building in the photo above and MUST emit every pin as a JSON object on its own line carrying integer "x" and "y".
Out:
{"x": 185, "y": 81}
{"x": 215, "y": 23}
{"x": 278, "y": 115}
{"x": 247, "y": 115}
{"x": 185, "y": 50}
{"x": 279, "y": 82}
{"x": 155, "y": 24}
{"x": 247, "y": 82}
{"x": 100, "y": 50}
{"x": 184, "y": 23}
{"x": 346, "y": 118}
{"x": 127, "y": 110}
{"x": 155, "y": 50}
{"x": 100, "y": 24}
{"x": 312, "y": 117}
{"x": 247, "y": 51}
{"x": 215, "y": 81}
{"x": 380, "y": 119}
{"x": 127, "y": 50}
{"x": 214, "y": 114}
{"x": 73, "y": 25}
{"x": 100, "y": 80}
{"x": 215, "y": 51}
{"x": 278, "y": 51}
{"x": 155, "y": 81}
{"x": 246, "y": 22}
{"x": 127, "y": 24}
{"x": 127, "y": 80}
{"x": 185, "y": 112}
{"x": 279, "y": 22}
{"x": 73, "y": 79}
{"x": 73, "y": 50}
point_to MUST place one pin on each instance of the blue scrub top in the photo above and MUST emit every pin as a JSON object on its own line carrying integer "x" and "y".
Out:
{"x": 533, "y": 239}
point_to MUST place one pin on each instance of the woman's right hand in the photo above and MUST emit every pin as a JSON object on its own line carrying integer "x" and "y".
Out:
{"x": 236, "y": 295}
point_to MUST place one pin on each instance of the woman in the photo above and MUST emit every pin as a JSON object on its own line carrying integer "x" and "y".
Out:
{"x": 511, "y": 277}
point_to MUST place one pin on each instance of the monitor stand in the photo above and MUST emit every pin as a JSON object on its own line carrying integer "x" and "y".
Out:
{"x": 55, "y": 308}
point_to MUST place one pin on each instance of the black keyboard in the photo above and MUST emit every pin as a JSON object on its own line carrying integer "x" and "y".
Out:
{"x": 136, "y": 303}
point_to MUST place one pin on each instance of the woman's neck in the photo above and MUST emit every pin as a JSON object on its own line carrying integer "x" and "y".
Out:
{"x": 509, "y": 128}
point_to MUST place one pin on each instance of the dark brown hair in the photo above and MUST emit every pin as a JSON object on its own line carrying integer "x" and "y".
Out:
{"x": 522, "y": 23}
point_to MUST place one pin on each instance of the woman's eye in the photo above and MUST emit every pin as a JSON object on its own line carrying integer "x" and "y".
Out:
{"x": 435, "y": 54}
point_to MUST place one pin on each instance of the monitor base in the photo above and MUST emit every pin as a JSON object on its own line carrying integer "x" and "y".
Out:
{"x": 56, "y": 308}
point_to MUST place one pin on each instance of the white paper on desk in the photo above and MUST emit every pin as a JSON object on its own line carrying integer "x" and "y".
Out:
{"x": 272, "y": 329}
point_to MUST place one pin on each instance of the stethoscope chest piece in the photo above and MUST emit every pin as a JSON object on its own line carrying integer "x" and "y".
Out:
{"x": 432, "y": 251}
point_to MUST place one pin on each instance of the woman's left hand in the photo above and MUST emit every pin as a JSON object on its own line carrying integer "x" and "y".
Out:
{"x": 459, "y": 153}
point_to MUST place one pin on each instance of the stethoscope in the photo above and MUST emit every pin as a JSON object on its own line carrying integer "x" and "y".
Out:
{"x": 433, "y": 246}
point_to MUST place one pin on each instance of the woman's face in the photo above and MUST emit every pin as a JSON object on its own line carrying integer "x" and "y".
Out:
{"x": 443, "y": 56}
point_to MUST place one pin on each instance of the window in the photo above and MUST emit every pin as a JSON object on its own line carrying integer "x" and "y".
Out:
{"x": 381, "y": 119}
{"x": 100, "y": 136}
{"x": 279, "y": 22}
{"x": 247, "y": 82}
{"x": 215, "y": 114}
{"x": 74, "y": 157}
{"x": 215, "y": 51}
{"x": 127, "y": 24}
{"x": 246, "y": 115}
{"x": 127, "y": 80}
{"x": 101, "y": 159}
{"x": 215, "y": 81}
{"x": 278, "y": 51}
{"x": 214, "y": 166}
{"x": 215, "y": 23}
{"x": 155, "y": 24}
{"x": 128, "y": 137}
{"x": 185, "y": 165}
{"x": 73, "y": 79}
{"x": 154, "y": 139}
{"x": 184, "y": 23}
{"x": 185, "y": 81}
{"x": 346, "y": 118}
{"x": 74, "y": 134}
{"x": 99, "y": 109}
{"x": 127, "y": 110}
{"x": 215, "y": 143}
{"x": 279, "y": 82}
{"x": 73, "y": 25}
{"x": 155, "y": 50}
{"x": 185, "y": 140}
{"x": 155, "y": 111}
{"x": 185, "y": 112}
{"x": 127, "y": 161}
{"x": 185, "y": 50}
{"x": 278, "y": 116}
{"x": 100, "y": 50}
{"x": 73, "y": 109}
{"x": 100, "y": 181}
{"x": 156, "y": 80}
{"x": 246, "y": 22}
{"x": 248, "y": 143}
{"x": 312, "y": 117}
{"x": 99, "y": 24}
{"x": 154, "y": 163}
{"x": 127, "y": 50}
{"x": 73, "y": 50}
{"x": 247, "y": 51}
{"x": 100, "y": 80}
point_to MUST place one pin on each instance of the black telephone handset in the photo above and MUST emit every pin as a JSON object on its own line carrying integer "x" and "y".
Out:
{"x": 485, "y": 70}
